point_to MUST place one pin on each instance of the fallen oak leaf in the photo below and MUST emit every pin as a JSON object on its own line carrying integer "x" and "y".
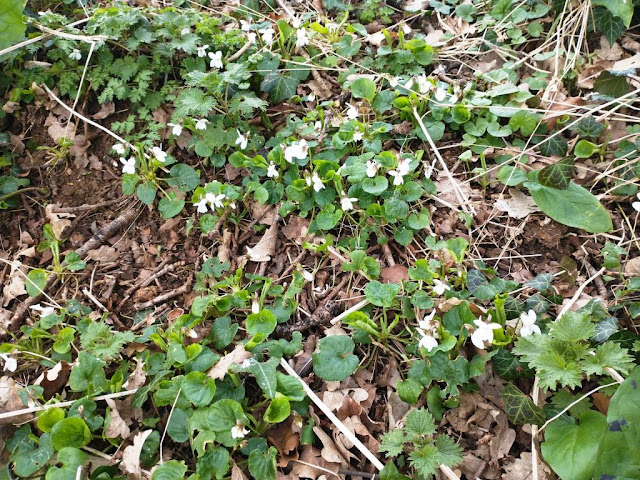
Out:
{"x": 266, "y": 247}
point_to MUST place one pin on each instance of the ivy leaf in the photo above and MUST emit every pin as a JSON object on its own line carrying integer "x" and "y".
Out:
{"x": 12, "y": 27}
{"x": 541, "y": 283}
{"x": 589, "y": 127}
{"x": 171, "y": 470}
{"x": 280, "y": 86}
{"x": 570, "y": 448}
{"x": 605, "y": 23}
{"x": 507, "y": 366}
{"x": 557, "y": 175}
{"x": 623, "y": 9}
{"x": 605, "y": 328}
{"x": 575, "y": 207}
{"x": 554, "y": 146}
{"x": 520, "y": 408}
{"x": 611, "y": 85}
{"x": 334, "y": 360}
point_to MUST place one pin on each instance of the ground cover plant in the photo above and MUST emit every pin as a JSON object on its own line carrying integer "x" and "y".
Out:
{"x": 329, "y": 239}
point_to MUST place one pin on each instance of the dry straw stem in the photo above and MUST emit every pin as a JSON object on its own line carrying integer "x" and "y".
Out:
{"x": 40, "y": 408}
{"x": 18, "y": 46}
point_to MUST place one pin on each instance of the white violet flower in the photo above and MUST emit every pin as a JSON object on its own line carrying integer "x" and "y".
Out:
{"x": 202, "y": 50}
{"x": 427, "y": 329}
{"x": 352, "y": 111}
{"x": 242, "y": 140}
{"x": 440, "y": 287}
{"x": 176, "y": 130}
{"x": 267, "y": 35}
{"x": 423, "y": 84}
{"x": 302, "y": 37}
{"x": 636, "y": 205}
{"x": 128, "y": 166}
{"x": 215, "y": 200}
{"x": 239, "y": 430}
{"x": 296, "y": 150}
{"x": 317, "y": 182}
{"x": 216, "y": 60}
{"x": 296, "y": 22}
{"x": 159, "y": 154}
{"x": 441, "y": 94}
{"x": 43, "y": 311}
{"x": 245, "y": 26}
{"x": 397, "y": 177}
{"x": 10, "y": 363}
{"x": 529, "y": 326}
{"x": 308, "y": 276}
{"x": 357, "y": 135}
{"x": 201, "y": 124}
{"x": 201, "y": 205}
{"x": 372, "y": 168}
{"x": 272, "y": 171}
{"x": 483, "y": 333}
{"x": 404, "y": 166}
{"x": 347, "y": 203}
{"x": 406, "y": 29}
{"x": 75, "y": 54}
{"x": 251, "y": 37}
{"x": 119, "y": 148}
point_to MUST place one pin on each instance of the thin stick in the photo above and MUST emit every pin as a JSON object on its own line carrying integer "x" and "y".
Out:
{"x": 166, "y": 427}
{"x": 91, "y": 297}
{"x": 576, "y": 295}
{"x": 18, "y": 46}
{"x": 335, "y": 420}
{"x": 358, "y": 306}
{"x": 165, "y": 296}
{"x": 25, "y": 411}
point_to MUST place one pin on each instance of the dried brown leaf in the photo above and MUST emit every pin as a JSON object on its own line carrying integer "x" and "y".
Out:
{"x": 131, "y": 455}
{"x": 237, "y": 356}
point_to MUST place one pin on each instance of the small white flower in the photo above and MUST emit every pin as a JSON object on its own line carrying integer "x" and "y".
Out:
{"x": 375, "y": 39}
{"x": 346, "y": 203}
{"x": 216, "y": 60}
{"x": 352, "y": 111}
{"x": 159, "y": 154}
{"x": 43, "y": 311}
{"x": 239, "y": 430}
{"x": 302, "y": 37}
{"x": 272, "y": 171}
{"x": 176, "y": 130}
{"x": 251, "y": 37}
{"x": 372, "y": 168}
{"x": 397, "y": 177}
{"x": 439, "y": 69}
{"x": 441, "y": 94}
{"x": 357, "y": 135}
{"x": 312, "y": 98}
{"x": 267, "y": 35}
{"x": 201, "y": 124}
{"x": 332, "y": 27}
{"x": 297, "y": 150}
{"x": 424, "y": 85}
{"x": 215, "y": 200}
{"x": 245, "y": 26}
{"x": 242, "y": 140}
{"x": 201, "y": 205}
{"x": 308, "y": 276}
{"x": 636, "y": 205}
{"x": 406, "y": 29}
{"x": 75, "y": 54}
{"x": 202, "y": 50}
{"x": 317, "y": 182}
{"x": 429, "y": 342}
{"x": 440, "y": 287}
{"x": 483, "y": 333}
{"x": 296, "y": 22}
{"x": 427, "y": 323}
{"x": 427, "y": 329}
{"x": 119, "y": 148}
{"x": 128, "y": 166}
{"x": 185, "y": 31}
{"x": 393, "y": 81}
{"x": 255, "y": 306}
{"x": 404, "y": 166}
{"x": 529, "y": 326}
{"x": 10, "y": 363}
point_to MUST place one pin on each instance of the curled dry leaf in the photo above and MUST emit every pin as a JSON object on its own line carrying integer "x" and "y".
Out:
{"x": 10, "y": 402}
{"x": 237, "y": 356}
{"x": 266, "y": 247}
{"x": 104, "y": 254}
{"x": 395, "y": 274}
{"x": 137, "y": 378}
{"x": 518, "y": 206}
{"x": 58, "y": 221}
{"x": 118, "y": 427}
{"x": 632, "y": 267}
{"x": 15, "y": 286}
{"x": 131, "y": 456}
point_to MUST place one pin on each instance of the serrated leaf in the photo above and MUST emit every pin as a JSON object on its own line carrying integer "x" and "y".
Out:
{"x": 393, "y": 442}
{"x": 520, "y": 408}
{"x": 420, "y": 422}
{"x": 193, "y": 102}
{"x": 381, "y": 294}
{"x": 557, "y": 175}
{"x": 450, "y": 452}
{"x": 608, "y": 355}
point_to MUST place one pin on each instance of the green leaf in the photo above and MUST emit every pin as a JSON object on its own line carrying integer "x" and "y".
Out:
{"x": 87, "y": 374}
{"x": 170, "y": 205}
{"x": 511, "y": 176}
{"x": 146, "y": 192}
{"x": 183, "y": 177}
{"x": 48, "y": 418}
{"x": 381, "y": 294}
{"x": 193, "y": 102}
{"x": 525, "y": 121}
{"x": 541, "y": 282}
{"x": 584, "y": 149}
{"x": 554, "y": 146}
{"x": 334, "y": 360}
{"x": 409, "y": 390}
{"x": 589, "y": 127}
{"x": 12, "y": 27}
{"x": 425, "y": 460}
{"x": 390, "y": 472}
{"x": 611, "y": 85}
{"x": 99, "y": 340}
{"x": 213, "y": 464}
{"x": 224, "y": 415}
{"x": 262, "y": 465}
{"x": 623, "y": 9}
{"x": 375, "y": 185}
{"x": 171, "y": 470}
{"x": 280, "y": 86}
{"x": 608, "y": 355}
{"x": 290, "y": 387}
{"x": 520, "y": 408}
{"x": 36, "y": 281}
{"x": 70, "y": 432}
{"x": 605, "y": 23}
{"x": 619, "y": 452}
{"x": 74, "y": 262}
{"x": 262, "y": 322}
{"x": 393, "y": 442}
{"x": 570, "y": 448}
{"x": 71, "y": 458}
{"x": 363, "y": 88}
{"x": 450, "y": 451}
{"x": 419, "y": 421}
{"x": 28, "y": 459}
{"x": 575, "y": 207}
{"x": 265, "y": 373}
{"x": 460, "y": 114}
{"x": 278, "y": 410}
{"x": 198, "y": 388}
{"x": 557, "y": 175}
{"x": 328, "y": 217}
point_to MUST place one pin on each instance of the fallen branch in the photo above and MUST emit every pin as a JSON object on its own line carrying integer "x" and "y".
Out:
{"x": 165, "y": 296}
